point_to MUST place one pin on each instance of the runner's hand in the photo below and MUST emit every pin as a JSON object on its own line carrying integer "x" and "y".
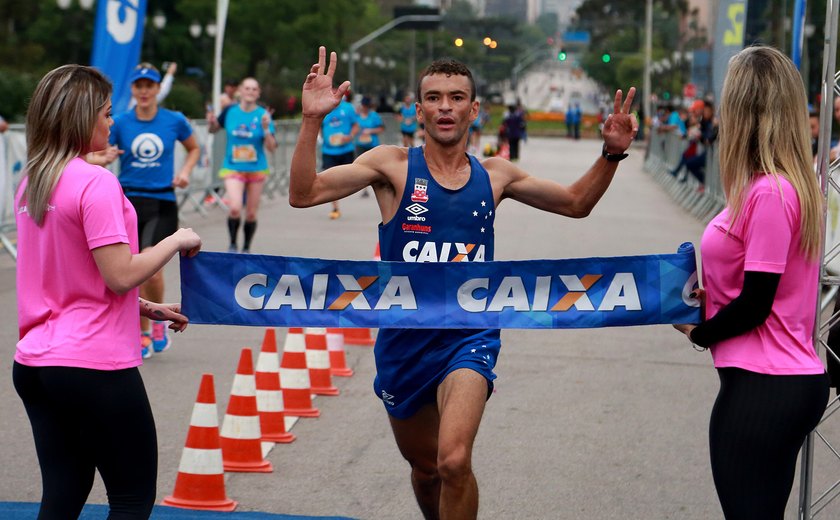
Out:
{"x": 266, "y": 119}
{"x": 182, "y": 180}
{"x": 319, "y": 96}
{"x": 621, "y": 126}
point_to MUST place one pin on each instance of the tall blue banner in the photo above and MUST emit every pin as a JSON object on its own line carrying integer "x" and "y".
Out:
{"x": 117, "y": 41}
{"x": 256, "y": 290}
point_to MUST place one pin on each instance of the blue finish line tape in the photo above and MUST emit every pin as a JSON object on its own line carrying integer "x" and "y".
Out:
{"x": 259, "y": 290}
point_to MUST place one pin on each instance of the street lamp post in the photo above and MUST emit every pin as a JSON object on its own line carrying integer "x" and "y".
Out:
{"x": 198, "y": 31}
{"x": 355, "y": 46}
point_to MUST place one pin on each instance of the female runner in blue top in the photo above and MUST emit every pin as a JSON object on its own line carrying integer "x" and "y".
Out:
{"x": 250, "y": 132}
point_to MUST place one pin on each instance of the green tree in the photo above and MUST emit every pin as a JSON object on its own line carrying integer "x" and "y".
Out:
{"x": 606, "y": 21}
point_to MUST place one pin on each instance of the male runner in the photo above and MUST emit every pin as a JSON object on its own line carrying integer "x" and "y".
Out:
{"x": 434, "y": 383}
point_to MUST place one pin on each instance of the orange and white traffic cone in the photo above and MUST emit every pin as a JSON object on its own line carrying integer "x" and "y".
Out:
{"x": 294, "y": 376}
{"x": 376, "y": 255}
{"x": 358, "y": 337}
{"x": 338, "y": 359}
{"x": 269, "y": 394}
{"x": 241, "y": 446}
{"x": 318, "y": 361}
{"x": 201, "y": 478}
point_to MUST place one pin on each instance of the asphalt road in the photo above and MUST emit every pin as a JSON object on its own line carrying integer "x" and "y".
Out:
{"x": 593, "y": 423}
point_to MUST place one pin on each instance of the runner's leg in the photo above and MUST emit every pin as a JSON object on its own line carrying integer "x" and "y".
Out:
{"x": 252, "y": 206}
{"x": 417, "y": 440}
{"x": 234, "y": 189}
{"x": 461, "y": 400}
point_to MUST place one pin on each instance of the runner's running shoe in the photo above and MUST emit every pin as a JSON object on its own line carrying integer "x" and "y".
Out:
{"x": 160, "y": 339}
{"x": 146, "y": 345}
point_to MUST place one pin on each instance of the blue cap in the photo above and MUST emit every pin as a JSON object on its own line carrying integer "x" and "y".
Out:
{"x": 145, "y": 73}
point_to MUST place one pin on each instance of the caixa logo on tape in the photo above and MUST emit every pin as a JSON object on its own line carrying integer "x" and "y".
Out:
{"x": 255, "y": 292}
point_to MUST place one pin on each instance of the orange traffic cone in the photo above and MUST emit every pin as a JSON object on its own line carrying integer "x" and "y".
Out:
{"x": 269, "y": 395}
{"x": 376, "y": 255}
{"x": 358, "y": 337}
{"x": 241, "y": 447}
{"x": 294, "y": 376}
{"x": 338, "y": 360}
{"x": 318, "y": 361}
{"x": 201, "y": 478}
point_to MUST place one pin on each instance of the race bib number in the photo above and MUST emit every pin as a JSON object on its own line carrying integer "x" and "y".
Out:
{"x": 244, "y": 153}
{"x": 365, "y": 138}
{"x": 337, "y": 139}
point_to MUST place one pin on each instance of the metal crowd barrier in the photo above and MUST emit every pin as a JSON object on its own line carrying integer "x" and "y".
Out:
{"x": 703, "y": 201}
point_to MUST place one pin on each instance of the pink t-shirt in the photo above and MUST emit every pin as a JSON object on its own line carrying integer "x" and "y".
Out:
{"x": 67, "y": 316}
{"x": 765, "y": 238}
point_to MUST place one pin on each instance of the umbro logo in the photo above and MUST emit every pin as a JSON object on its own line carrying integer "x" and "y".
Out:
{"x": 416, "y": 209}
{"x": 387, "y": 398}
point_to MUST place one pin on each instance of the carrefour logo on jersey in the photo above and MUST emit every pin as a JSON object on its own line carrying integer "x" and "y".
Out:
{"x": 147, "y": 149}
{"x": 258, "y": 291}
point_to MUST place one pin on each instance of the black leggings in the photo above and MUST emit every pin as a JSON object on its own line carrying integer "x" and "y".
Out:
{"x": 758, "y": 425}
{"x": 85, "y": 420}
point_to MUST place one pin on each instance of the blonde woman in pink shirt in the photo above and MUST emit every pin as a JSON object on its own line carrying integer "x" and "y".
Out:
{"x": 760, "y": 260}
{"x": 78, "y": 270}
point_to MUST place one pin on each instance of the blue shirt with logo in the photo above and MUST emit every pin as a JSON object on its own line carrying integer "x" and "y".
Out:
{"x": 147, "y": 164}
{"x": 408, "y": 123}
{"x": 336, "y": 125}
{"x": 244, "y": 150}
{"x": 371, "y": 120}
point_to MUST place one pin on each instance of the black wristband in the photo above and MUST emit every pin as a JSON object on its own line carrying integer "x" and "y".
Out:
{"x": 612, "y": 157}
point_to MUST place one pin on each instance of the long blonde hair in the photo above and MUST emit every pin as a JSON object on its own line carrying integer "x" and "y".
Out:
{"x": 60, "y": 122}
{"x": 764, "y": 129}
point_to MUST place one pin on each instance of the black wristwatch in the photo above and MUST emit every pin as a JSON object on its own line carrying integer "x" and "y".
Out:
{"x": 612, "y": 157}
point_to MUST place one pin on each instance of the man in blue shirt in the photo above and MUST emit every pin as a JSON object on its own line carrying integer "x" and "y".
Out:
{"x": 371, "y": 126}
{"x": 407, "y": 116}
{"x": 338, "y": 131}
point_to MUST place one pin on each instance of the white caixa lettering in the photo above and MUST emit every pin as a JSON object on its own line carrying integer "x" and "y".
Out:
{"x": 255, "y": 292}
{"x": 415, "y": 251}
{"x": 511, "y": 293}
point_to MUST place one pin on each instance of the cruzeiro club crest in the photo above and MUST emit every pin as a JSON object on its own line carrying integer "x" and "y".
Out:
{"x": 147, "y": 147}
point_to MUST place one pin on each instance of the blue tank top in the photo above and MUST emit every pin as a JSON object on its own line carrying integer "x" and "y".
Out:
{"x": 436, "y": 224}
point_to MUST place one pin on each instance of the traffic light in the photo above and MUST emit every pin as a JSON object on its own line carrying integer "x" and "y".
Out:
{"x": 562, "y": 55}
{"x": 606, "y": 58}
